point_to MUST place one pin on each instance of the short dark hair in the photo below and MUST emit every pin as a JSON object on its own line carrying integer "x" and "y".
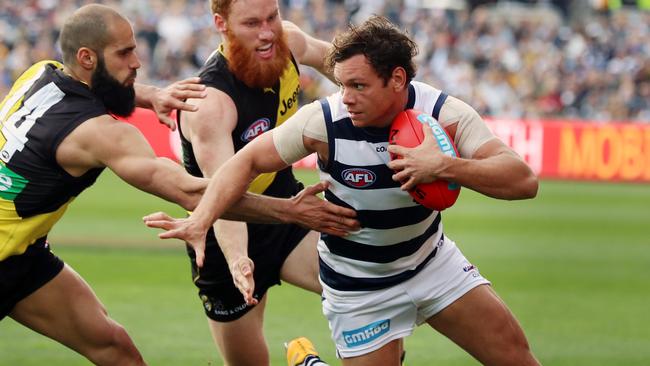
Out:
{"x": 384, "y": 45}
{"x": 87, "y": 27}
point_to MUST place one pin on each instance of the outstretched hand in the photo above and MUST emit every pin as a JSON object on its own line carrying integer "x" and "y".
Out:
{"x": 420, "y": 164}
{"x": 314, "y": 213}
{"x": 173, "y": 97}
{"x": 242, "y": 275}
{"x": 184, "y": 229}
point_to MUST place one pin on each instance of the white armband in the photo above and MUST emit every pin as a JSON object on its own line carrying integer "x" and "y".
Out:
{"x": 288, "y": 137}
{"x": 471, "y": 132}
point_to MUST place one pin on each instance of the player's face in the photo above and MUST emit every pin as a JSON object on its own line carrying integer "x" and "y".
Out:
{"x": 370, "y": 101}
{"x": 120, "y": 58}
{"x": 113, "y": 78}
{"x": 256, "y": 50}
{"x": 256, "y": 24}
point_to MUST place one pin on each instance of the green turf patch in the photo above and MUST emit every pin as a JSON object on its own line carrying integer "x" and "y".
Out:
{"x": 571, "y": 264}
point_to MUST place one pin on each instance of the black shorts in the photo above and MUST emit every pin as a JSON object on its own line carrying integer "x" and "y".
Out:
{"x": 21, "y": 275}
{"x": 269, "y": 246}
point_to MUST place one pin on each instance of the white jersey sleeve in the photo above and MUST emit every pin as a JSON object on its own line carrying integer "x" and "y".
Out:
{"x": 471, "y": 133}
{"x": 288, "y": 137}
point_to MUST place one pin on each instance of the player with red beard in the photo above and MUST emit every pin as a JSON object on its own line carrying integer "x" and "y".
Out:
{"x": 252, "y": 84}
{"x": 401, "y": 270}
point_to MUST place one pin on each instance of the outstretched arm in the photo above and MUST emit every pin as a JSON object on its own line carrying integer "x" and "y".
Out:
{"x": 305, "y": 209}
{"x": 104, "y": 141}
{"x": 260, "y": 156}
{"x": 209, "y": 130}
{"x": 226, "y": 187}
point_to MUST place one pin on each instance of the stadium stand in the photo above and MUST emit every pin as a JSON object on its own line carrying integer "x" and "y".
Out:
{"x": 581, "y": 59}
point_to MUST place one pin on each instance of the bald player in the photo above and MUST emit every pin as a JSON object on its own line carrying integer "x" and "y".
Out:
{"x": 58, "y": 134}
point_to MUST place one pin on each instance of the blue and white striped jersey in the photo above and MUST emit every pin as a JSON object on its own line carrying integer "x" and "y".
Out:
{"x": 398, "y": 236}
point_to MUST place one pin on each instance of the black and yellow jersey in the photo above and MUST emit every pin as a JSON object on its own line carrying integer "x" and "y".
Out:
{"x": 258, "y": 110}
{"x": 42, "y": 108}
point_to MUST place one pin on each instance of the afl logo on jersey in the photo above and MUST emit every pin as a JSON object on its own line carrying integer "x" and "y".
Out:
{"x": 358, "y": 177}
{"x": 255, "y": 129}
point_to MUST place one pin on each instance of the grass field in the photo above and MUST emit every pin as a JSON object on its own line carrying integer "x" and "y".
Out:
{"x": 572, "y": 265}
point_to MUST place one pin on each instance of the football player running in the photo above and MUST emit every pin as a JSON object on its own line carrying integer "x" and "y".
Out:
{"x": 399, "y": 270}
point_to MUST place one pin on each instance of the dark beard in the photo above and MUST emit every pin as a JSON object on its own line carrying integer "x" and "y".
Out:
{"x": 117, "y": 98}
{"x": 243, "y": 63}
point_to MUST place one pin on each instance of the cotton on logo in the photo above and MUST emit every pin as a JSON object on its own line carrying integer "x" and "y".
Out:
{"x": 358, "y": 178}
{"x": 255, "y": 129}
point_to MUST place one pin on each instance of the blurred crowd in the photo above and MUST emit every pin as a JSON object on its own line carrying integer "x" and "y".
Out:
{"x": 506, "y": 59}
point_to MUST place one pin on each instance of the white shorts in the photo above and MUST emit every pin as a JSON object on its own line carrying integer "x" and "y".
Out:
{"x": 364, "y": 321}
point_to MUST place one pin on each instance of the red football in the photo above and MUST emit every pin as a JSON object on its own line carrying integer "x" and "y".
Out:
{"x": 406, "y": 130}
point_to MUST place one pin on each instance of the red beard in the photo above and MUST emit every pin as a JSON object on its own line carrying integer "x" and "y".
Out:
{"x": 254, "y": 72}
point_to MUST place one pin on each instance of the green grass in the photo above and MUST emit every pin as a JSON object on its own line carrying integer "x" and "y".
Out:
{"x": 571, "y": 264}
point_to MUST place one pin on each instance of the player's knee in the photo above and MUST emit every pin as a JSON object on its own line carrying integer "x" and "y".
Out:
{"x": 249, "y": 357}
{"x": 520, "y": 350}
{"x": 122, "y": 341}
{"x": 253, "y": 352}
{"x": 516, "y": 352}
{"x": 115, "y": 347}
{"x": 509, "y": 345}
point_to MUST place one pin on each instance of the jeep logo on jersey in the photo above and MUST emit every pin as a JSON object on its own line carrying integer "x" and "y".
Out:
{"x": 255, "y": 129}
{"x": 290, "y": 102}
{"x": 369, "y": 333}
{"x": 358, "y": 177}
